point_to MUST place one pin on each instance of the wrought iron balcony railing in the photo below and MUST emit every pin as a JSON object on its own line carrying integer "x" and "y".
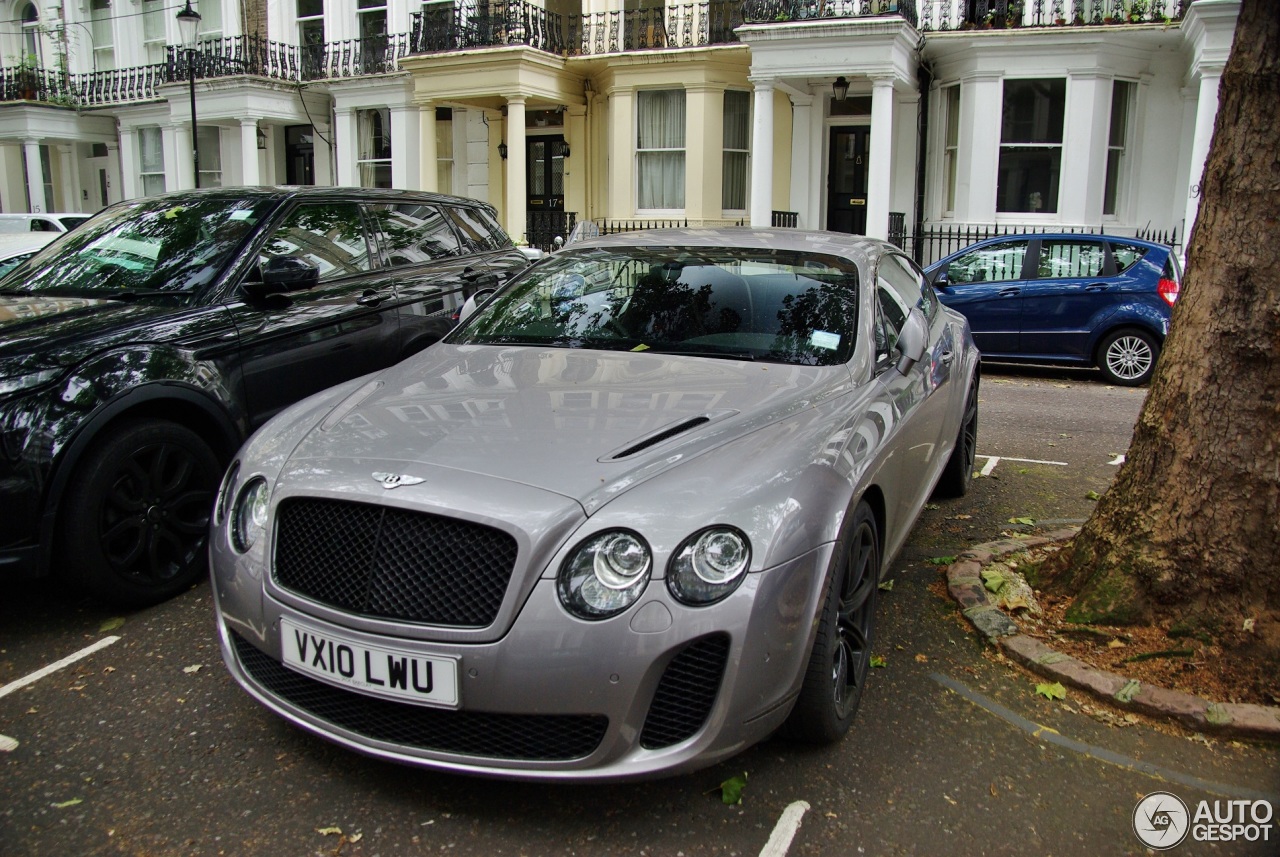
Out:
{"x": 517, "y": 22}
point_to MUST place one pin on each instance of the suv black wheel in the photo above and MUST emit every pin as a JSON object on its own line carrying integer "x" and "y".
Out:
{"x": 136, "y": 518}
{"x": 958, "y": 473}
{"x": 1127, "y": 357}
{"x": 841, "y": 656}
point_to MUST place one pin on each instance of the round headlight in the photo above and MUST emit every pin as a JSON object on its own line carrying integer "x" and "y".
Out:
{"x": 249, "y": 517}
{"x": 709, "y": 565}
{"x": 604, "y": 575}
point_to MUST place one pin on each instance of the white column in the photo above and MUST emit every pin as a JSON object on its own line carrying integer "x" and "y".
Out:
{"x": 762, "y": 154}
{"x": 1086, "y": 127}
{"x": 880, "y": 158}
{"x": 345, "y": 141}
{"x": 176, "y": 142}
{"x": 250, "y": 164}
{"x": 406, "y": 159}
{"x": 803, "y": 180}
{"x": 978, "y": 147}
{"x": 35, "y": 177}
{"x": 70, "y": 168}
{"x": 428, "y": 177}
{"x": 322, "y": 154}
{"x": 621, "y": 133}
{"x": 122, "y": 170}
{"x": 516, "y": 182}
{"x": 1206, "y": 113}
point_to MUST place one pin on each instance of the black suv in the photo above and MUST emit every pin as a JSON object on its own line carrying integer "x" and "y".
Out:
{"x": 140, "y": 350}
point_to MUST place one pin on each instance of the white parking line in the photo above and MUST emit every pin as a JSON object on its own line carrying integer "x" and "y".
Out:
{"x": 993, "y": 460}
{"x": 785, "y": 830}
{"x": 54, "y": 667}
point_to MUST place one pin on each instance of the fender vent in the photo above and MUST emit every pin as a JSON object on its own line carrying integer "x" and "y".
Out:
{"x": 665, "y": 434}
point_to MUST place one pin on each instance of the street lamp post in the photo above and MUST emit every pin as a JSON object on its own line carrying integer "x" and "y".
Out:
{"x": 188, "y": 22}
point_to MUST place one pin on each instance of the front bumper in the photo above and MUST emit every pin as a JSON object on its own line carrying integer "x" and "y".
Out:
{"x": 661, "y": 689}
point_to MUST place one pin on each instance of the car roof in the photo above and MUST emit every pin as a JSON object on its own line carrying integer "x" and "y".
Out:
{"x": 857, "y": 247}
{"x": 14, "y": 243}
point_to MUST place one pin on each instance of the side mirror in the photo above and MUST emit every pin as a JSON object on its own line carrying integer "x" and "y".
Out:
{"x": 284, "y": 274}
{"x": 912, "y": 341}
{"x": 941, "y": 280}
{"x": 473, "y": 303}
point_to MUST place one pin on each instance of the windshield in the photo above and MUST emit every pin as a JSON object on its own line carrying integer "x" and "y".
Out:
{"x": 715, "y": 302}
{"x": 152, "y": 246}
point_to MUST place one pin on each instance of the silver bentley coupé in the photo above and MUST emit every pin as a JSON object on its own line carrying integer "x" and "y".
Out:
{"x": 626, "y": 520}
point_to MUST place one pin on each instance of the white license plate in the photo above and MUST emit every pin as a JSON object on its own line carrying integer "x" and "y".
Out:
{"x": 376, "y": 670}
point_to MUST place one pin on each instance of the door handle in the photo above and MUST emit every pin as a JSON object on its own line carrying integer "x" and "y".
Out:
{"x": 1010, "y": 292}
{"x": 371, "y": 298}
{"x": 1101, "y": 288}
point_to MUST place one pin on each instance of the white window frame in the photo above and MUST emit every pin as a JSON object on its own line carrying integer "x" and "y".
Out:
{"x": 210, "y": 137}
{"x": 1119, "y": 150}
{"x": 102, "y": 29}
{"x": 1043, "y": 213}
{"x": 951, "y": 107}
{"x": 682, "y": 149}
{"x": 362, "y": 144}
{"x": 745, "y": 151}
{"x": 155, "y": 175}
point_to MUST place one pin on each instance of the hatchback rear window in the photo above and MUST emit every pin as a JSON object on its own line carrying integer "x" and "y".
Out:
{"x": 1126, "y": 255}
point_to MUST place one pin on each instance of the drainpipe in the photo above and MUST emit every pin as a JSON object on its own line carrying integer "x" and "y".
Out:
{"x": 926, "y": 81}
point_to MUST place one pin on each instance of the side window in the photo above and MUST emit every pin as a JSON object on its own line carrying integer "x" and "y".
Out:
{"x": 891, "y": 315}
{"x": 1070, "y": 260}
{"x": 1126, "y": 255}
{"x": 992, "y": 264}
{"x": 910, "y": 284}
{"x": 497, "y": 235}
{"x": 411, "y": 233}
{"x": 474, "y": 231}
{"x": 330, "y": 236}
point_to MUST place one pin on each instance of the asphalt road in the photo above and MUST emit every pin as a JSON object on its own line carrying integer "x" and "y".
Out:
{"x": 145, "y": 747}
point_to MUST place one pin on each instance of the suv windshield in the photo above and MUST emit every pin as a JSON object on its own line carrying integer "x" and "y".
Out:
{"x": 737, "y": 304}
{"x": 150, "y": 246}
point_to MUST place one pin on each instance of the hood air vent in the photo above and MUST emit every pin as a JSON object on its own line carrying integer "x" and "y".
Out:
{"x": 665, "y": 434}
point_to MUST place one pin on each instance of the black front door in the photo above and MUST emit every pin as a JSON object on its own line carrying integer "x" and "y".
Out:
{"x": 847, "y": 179}
{"x": 544, "y": 156}
{"x": 300, "y": 157}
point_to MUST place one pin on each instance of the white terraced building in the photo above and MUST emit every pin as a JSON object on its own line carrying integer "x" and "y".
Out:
{"x": 928, "y": 121}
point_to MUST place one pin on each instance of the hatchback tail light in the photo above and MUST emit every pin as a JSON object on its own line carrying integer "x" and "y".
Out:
{"x": 1168, "y": 289}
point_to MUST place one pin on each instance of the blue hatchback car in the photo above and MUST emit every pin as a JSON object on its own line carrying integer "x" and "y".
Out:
{"x": 1095, "y": 300}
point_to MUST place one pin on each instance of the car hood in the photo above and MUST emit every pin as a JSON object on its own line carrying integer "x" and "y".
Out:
{"x": 583, "y": 424}
{"x": 31, "y": 323}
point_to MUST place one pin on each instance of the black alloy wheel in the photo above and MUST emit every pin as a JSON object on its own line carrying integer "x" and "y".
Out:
{"x": 841, "y": 656}
{"x": 958, "y": 473}
{"x": 136, "y": 519}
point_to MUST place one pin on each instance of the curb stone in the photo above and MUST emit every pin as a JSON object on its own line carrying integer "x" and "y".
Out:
{"x": 964, "y": 582}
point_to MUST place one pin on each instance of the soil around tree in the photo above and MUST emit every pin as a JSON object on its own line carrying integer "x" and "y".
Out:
{"x": 1228, "y": 665}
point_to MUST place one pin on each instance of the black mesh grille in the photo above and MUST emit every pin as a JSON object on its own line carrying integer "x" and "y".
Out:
{"x": 392, "y": 563}
{"x": 686, "y": 693}
{"x": 545, "y": 737}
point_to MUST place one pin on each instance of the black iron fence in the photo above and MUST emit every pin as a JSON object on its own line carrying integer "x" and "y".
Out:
{"x": 769, "y": 11}
{"x": 934, "y": 242}
{"x": 542, "y": 228}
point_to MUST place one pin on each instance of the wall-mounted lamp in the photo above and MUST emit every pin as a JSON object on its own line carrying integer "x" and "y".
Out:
{"x": 840, "y": 89}
{"x": 564, "y": 150}
{"x": 502, "y": 150}
{"x": 262, "y": 139}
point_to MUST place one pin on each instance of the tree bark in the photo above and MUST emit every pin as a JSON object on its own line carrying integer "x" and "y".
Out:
{"x": 1190, "y": 531}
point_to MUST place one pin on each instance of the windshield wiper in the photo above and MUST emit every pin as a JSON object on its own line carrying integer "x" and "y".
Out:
{"x": 707, "y": 351}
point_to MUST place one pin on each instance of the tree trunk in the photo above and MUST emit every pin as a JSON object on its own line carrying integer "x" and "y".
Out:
{"x": 1190, "y": 531}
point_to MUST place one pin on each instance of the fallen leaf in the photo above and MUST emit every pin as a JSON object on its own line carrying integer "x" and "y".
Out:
{"x": 922, "y": 659}
{"x": 1116, "y": 644}
{"x": 941, "y": 560}
{"x": 1024, "y": 521}
{"x": 887, "y": 586}
{"x": 731, "y": 789}
{"x": 878, "y": 661}
{"x": 194, "y": 668}
{"x": 329, "y": 831}
{"x": 67, "y": 803}
{"x": 1093, "y": 495}
{"x": 108, "y": 670}
{"x": 1051, "y": 691}
{"x": 993, "y": 579}
{"x": 963, "y": 518}
{"x": 949, "y": 799}
{"x": 355, "y": 837}
{"x": 993, "y": 790}
{"x": 111, "y": 624}
{"x": 1248, "y": 625}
